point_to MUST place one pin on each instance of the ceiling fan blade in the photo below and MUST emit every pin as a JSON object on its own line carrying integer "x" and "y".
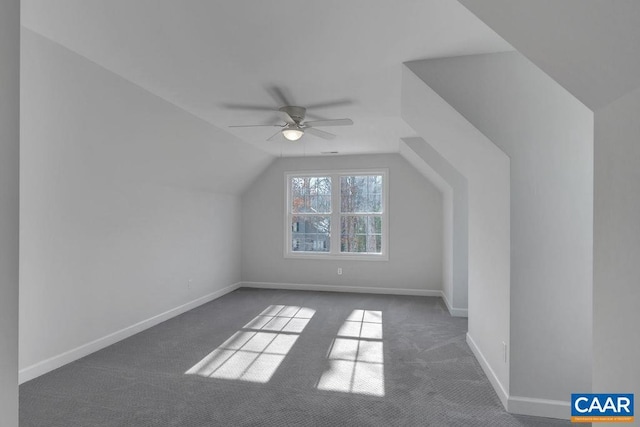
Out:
{"x": 336, "y": 122}
{"x": 322, "y": 134}
{"x": 327, "y": 104}
{"x": 272, "y": 137}
{"x": 286, "y": 117}
{"x": 249, "y": 107}
{"x": 254, "y": 126}
{"x": 279, "y": 95}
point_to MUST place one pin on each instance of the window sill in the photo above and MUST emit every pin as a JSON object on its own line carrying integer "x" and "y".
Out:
{"x": 336, "y": 257}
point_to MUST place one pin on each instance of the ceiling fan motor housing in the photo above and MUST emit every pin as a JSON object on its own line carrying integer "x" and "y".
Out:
{"x": 296, "y": 113}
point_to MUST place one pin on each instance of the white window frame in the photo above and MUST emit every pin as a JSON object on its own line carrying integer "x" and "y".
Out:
{"x": 334, "y": 250}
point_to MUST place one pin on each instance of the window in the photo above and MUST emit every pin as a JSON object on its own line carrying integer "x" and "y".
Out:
{"x": 337, "y": 214}
{"x": 310, "y": 213}
{"x": 361, "y": 214}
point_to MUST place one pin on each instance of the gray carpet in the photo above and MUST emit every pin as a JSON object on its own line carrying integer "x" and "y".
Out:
{"x": 280, "y": 358}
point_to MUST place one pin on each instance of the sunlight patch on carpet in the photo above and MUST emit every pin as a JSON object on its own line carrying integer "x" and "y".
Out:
{"x": 255, "y": 352}
{"x": 356, "y": 357}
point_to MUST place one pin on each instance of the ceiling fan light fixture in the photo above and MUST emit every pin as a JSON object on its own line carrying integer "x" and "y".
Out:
{"x": 292, "y": 133}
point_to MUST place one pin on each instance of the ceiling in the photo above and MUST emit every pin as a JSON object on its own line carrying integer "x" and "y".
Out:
{"x": 590, "y": 47}
{"x": 202, "y": 54}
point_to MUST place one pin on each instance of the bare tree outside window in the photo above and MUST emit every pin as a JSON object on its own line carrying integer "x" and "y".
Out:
{"x": 311, "y": 208}
{"x": 337, "y": 214}
{"x": 361, "y": 209}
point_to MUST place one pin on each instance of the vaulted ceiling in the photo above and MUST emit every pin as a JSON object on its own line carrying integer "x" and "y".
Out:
{"x": 590, "y": 47}
{"x": 202, "y": 55}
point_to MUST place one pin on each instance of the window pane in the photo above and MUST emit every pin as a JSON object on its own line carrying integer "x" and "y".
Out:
{"x": 361, "y": 193}
{"x": 310, "y": 233}
{"x": 311, "y": 194}
{"x": 361, "y": 234}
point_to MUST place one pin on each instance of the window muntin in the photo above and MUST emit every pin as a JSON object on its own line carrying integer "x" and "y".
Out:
{"x": 337, "y": 215}
{"x": 361, "y": 234}
{"x": 361, "y": 211}
{"x": 361, "y": 193}
{"x": 311, "y": 194}
{"x": 310, "y": 233}
{"x": 310, "y": 208}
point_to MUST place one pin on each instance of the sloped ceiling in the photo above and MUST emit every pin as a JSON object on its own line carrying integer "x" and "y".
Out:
{"x": 590, "y": 47}
{"x": 200, "y": 55}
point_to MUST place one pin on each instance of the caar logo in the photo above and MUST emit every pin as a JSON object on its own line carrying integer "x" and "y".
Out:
{"x": 590, "y": 408}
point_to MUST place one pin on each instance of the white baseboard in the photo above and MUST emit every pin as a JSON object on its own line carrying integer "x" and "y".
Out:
{"x": 539, "y": 407}
{"x": 42, "y": 367}
{"x": 518, "y": 404}
{"x": 514, "y": 404}
{"x": 493, "y": 378}
{"x": 334, "y": 288}
{"x": 458, "y": 312}
{"x": 455, "y": 312}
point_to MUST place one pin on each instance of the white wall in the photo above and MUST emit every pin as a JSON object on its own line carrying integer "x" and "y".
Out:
{"x": 456, "y": 219}
{"x": 592, "y": 48}
{"x": 411, "y": 156}
{"x": 124, "y": 199}
{"x": 415, "y": 230}
{"x": 548, "y": 134}
{"x": 616, "y": 283}
{"x": 486, "y": 169}
{"x": 9, "y": 162}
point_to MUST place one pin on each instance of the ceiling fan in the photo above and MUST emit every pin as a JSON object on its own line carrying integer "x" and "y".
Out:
{"x": 295, "y": 126}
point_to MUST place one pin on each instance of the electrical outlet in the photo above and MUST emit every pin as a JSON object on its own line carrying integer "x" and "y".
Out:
{"x": 189, "y": 283}
{"x": 504, "y": 351}
{"x": 339, "y": 271}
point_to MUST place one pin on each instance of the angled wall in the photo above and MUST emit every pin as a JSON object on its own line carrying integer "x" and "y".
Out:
{"x": 9, "y": 162}
{"x": 548, "y": 135}
{"x": 129, "y": 205}
{"x": 616, "y": 337}
{"x": 453, "y": 186}
{"x": 486, "y": 169}
{"x": 592, "y": 48}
